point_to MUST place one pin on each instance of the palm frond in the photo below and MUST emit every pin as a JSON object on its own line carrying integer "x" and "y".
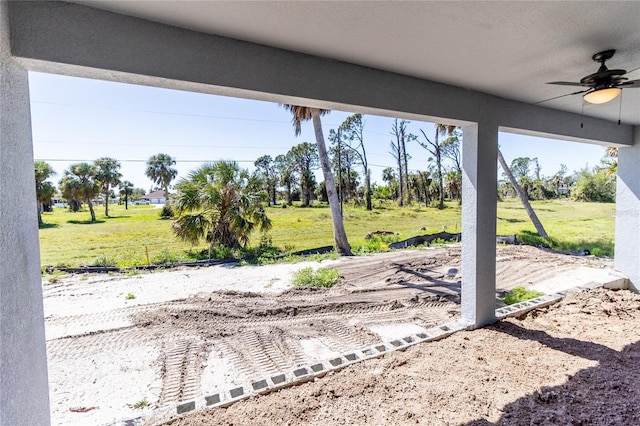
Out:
{"x": 300, "y": 114}
{"x": 191, "y": 227}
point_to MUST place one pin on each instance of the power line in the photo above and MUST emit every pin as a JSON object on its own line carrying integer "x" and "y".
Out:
{"x": 180, "y": 114}
{"x": 46, "y": 141}
{"x": 183, "y": 114}
{"x": 60, "y": 160}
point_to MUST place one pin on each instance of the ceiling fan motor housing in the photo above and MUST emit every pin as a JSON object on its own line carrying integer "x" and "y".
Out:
{"x": 604, "y": 77}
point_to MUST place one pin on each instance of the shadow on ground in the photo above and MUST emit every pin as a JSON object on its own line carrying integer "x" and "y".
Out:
{"x": 47, "y": 225}
{"x": 84, "y": 222}
{"x": 606, "y": 394}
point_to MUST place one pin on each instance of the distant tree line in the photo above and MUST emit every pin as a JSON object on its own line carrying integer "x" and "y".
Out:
{"x": 595, "y": 184}
{"x": 222, "y": 203}
{"x": 84, "y": 183}
{"x": 291, "y": 177}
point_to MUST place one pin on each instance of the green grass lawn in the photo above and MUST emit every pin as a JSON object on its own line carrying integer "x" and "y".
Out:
{"x": 124, "y": 238}
{"x": 303, "y": 228}
{"x": 571, "y": 225}
{"x": 129, "y": 236}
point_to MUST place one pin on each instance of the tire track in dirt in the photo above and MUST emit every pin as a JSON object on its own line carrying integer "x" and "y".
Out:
{"x": 259, "y": 334}
{"x": 182, "y": 364}
{"x": 258, "y": 339}
{"x": 75, "y": 325}
{"x": 97, "y": 342}
{"x": 272, "y": 349}
{"x": 509, "y": 275}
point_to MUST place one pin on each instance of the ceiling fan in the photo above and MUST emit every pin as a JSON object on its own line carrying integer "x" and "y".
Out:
{"x": 604, "y": 85}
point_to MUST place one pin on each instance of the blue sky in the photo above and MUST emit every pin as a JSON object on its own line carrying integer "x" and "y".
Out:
{"x": 77, "y": 119}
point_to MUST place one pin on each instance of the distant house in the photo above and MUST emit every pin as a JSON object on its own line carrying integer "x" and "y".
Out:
{"x": 155, "y": 197}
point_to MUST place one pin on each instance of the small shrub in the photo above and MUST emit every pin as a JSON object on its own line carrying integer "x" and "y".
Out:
{"x": 167, "y": 212}
{"x": 520, "y": 294}
{"x": 131, "y": 272}
{"x": 533, "y": 239}
{"x": 55, "y": 276}
{"x": 140, "y": 404}
{"x": 376, "y": 244}
{"x": 130, "y": 296}
{"x": 164, "y": 257}
{"x": 323, "y": 277}
{"x": 600, "y": 247}
{"x": 319, "y": 257}
{"x": 264, "y": 253}
{"x": 371, "y": 246}
{"x": 103, "y": 261}
{"x": 221, "y": 252}
{"x": 440, "y": 242}
{"x": 129, "y": 260}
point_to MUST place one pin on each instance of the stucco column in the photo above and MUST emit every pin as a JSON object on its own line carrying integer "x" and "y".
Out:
{"x": 479, "y": 198}
{"x": 627, "y": 244}
{"x": 24, "y": 394}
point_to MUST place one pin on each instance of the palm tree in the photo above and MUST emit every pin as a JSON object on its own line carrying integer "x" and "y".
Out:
{"x": 301, "y": 114}
{"x": 160, "y": 172}
{"x": 389, "y": 176}
{"x": 269, "y": 175}
{"x": 453, "y": 183}
{"x": 285, "y": 166}
{"x": 78, "y": 184}
{"x": 305, "y": 158}
{"x": 44, "y": 190}
{"x": 421, "y": 185}
{"x": 107, "y": 176}
{"x": 219, "y": 203}
{"x": 610, "y": 161}
{"x": 523, "y": 197}
{"x": 126, "y": 189}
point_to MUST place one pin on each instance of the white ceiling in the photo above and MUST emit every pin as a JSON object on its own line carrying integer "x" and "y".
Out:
{"x": 508, "y": 49}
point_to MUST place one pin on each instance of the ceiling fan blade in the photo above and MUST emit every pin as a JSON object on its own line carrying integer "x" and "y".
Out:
{"x": 628, "y": 84}
{"x": 568, "y": 83}
{"x": 633, "y": 70}
{"x": 561, "y": 96}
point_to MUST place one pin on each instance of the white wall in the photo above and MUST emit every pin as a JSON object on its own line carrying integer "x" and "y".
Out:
{"x": 24, "y": 396}
{"x": 627, "y": 244}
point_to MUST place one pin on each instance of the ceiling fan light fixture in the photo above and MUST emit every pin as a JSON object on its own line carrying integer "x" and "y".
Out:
{"x": 602, "y": 96}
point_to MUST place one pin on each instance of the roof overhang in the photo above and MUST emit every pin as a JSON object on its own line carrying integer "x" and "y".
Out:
{"x": 172, "y": 48}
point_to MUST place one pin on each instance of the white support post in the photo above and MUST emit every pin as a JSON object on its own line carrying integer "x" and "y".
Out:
{"x": 479, "y": 198}
{"x": 24, "y": 394}
{"x": 627, "y": 243}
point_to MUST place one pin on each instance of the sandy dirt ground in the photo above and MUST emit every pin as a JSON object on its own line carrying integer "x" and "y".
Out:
{"x": 574, "y": 363}
{"x": 192, "y": 332}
